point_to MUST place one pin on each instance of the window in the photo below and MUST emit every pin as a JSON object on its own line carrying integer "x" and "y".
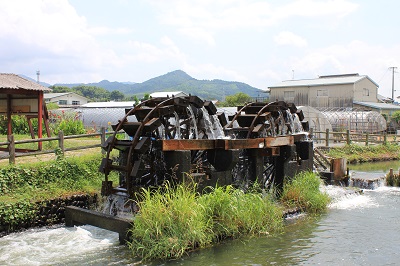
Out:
{"x": 365, "y": 92}
{"x": 76, "y": 102}
{"x": 288, "y": 96}
{"x": 62, "y": 102}
{"x": 322, "y": 93}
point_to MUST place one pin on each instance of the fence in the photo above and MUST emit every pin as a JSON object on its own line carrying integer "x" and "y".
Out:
{"x": 328, "y": 138}
{"x": 12, "y": 151}
{"x": 325, "y": 138}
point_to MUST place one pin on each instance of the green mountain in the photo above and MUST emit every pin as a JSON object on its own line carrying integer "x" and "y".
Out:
{"x": 178, "y": 80}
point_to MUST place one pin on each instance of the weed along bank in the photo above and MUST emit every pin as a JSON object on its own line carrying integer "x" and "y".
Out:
{"x": 185, "y": 164}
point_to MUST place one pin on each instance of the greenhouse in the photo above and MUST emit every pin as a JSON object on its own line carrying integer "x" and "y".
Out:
{"x": 355, "y": 120}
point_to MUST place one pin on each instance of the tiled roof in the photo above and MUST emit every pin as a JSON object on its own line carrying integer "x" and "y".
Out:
{"x": 15, "y": 82}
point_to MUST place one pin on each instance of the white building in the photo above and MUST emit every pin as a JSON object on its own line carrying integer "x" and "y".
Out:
{"x": 168, "y": 94}
{"x": 65, "y": 99}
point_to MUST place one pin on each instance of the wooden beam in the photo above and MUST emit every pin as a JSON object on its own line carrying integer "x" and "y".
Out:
{"x": 187, "y": 144}
{"x": 225, "y": 144}
{"x": 278, "y": 141}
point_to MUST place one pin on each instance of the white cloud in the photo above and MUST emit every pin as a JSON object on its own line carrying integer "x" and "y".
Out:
{"x": 109, "y": 31}
{"x": 289, "y": 38}
{"x": 150, "y": 53}
{"x": 49, "y": 35}
{"x": 212, "y": 17}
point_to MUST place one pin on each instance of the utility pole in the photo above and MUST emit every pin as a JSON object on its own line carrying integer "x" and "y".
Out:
{"x": 393, "y": 69}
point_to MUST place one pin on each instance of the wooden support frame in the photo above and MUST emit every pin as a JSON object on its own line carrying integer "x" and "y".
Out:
{"x": 226, "y": 144}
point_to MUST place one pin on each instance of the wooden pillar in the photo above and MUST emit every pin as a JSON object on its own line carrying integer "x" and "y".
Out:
{"x": 9, "y": 122}
{"x": 11, "y": 149}
{"x": 40, "y": 118}
{"x": 103, "y": 139}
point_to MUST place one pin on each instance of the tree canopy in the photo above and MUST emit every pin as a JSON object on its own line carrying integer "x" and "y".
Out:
{"x": 239, "y": 98}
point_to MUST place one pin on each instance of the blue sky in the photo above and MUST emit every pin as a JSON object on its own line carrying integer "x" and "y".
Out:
{"x": 254, "y": 41}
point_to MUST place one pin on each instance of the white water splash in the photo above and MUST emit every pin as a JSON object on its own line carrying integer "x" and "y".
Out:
{"x": 193, "y": 124}
{"x": 54, "y": 246}
{"x": 347, "y": 199}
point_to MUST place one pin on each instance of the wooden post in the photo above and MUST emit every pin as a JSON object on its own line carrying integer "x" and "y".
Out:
{"x": 366, "y": 139}
{"x": 311, "y": 133}
{"x": 327, "y": 137}
{"x": 103, "y": 139}
{"x": 384, "y": 138}
{"x": 348, "y": 137}
{"x": 11, "y": 149}
{"x": 9, "y": 112}
{"x": 61, "y": 141}
{"x": 40, "y": 118}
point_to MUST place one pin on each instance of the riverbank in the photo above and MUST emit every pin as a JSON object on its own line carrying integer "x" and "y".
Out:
{"x": 355, "y": 153}
{"x": 35, "y": 194}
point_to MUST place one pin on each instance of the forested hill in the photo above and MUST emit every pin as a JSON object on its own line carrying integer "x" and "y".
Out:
{"x": 178, "y": 81}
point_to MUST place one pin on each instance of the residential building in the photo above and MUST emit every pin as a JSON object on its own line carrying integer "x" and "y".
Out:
{"x": 65, "y": 99}
{"x": 327, "y": 91}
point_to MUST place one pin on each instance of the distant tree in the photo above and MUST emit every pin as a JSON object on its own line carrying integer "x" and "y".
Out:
{"x": 132, "y": 98}
{"x": 239, "y": 98}
{"x": 117, "y": 95}
{"x": 52, "y": 106}
{"x": 93, "y": 93}
{"x": 396, "y": 116}
{"x": 60, "y": 89}
{"x": 146, "y": 96}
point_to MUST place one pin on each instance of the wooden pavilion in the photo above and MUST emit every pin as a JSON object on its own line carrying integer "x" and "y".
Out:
{"x": 20, "y": 96}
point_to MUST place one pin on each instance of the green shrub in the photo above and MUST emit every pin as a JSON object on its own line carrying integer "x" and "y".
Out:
{"x": 15, "y": 214}
{"x": 303, "y": 191}
{"x": 68, "y": 122}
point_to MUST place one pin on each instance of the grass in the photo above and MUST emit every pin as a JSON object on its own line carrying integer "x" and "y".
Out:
{"x": 303, "y": 192}
{"x": 50, "y": 179}
{"x": 175, "y": 220}
{"x": 393, "y": 180}
{"x": 357, "y": 153}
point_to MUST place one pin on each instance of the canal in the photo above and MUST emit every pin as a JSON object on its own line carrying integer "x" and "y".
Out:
{"x": 358, "y": 229}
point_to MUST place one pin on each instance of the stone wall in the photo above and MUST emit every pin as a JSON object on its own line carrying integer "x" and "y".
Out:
{"x": 51, "y": 212}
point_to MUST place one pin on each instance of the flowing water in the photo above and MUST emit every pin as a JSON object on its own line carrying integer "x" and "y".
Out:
{"x": 358, "y": 229}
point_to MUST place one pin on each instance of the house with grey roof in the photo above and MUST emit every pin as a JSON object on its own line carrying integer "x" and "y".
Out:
{"x": 327, "y": 91}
